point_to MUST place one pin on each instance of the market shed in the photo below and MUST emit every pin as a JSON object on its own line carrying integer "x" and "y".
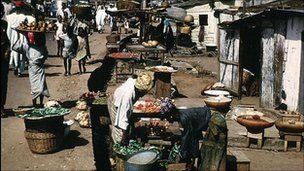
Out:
{"x": 269, "y": 44}
{"x": 204, "y": 17}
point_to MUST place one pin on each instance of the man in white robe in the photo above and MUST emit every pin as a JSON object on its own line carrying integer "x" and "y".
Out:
{"x": 120, "y": 104}
{"x": 100, "y": 18}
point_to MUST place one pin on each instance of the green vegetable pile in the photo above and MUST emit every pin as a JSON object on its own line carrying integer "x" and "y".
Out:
{"x": 174, "y": 153}
{"x": 132, "y": 148}
{"x": 100, "y": 101}
{"x": 46, "y": 112}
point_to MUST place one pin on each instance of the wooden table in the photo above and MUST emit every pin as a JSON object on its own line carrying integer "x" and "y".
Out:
{"x": 156, "y": 51}
{"x": 118, "y": 46}
{"x": 180, "y": 103}
{"x": 127, "y": 62}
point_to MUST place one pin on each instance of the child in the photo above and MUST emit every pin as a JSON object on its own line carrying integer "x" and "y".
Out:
{"x": 69, "y": 49}
{"x": 82, "y": 52}
{"x": 58, "y": 32}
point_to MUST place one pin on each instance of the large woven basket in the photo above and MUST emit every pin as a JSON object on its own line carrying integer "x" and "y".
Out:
{"x": 43, "y": 142}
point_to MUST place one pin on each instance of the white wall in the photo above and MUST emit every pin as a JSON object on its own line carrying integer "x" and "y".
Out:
{"x": 210, "y": 30}
{"x": 291, "y": 75}
{"x": 239, "y": 3}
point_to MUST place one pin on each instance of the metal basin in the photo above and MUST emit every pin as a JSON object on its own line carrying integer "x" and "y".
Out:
{"x": 255, "y": 123}
{"x": 142, "y": 161}
{"x": 218, "y": 102}
{"x": 290, "y": 126}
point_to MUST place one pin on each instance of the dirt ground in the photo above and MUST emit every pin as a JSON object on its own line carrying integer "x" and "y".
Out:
{"x": 77, "y": 153}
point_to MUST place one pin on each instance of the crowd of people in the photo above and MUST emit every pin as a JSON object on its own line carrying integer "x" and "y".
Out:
{"x": 21, "y": 48}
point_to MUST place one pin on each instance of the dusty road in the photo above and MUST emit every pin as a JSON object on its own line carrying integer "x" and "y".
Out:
{"x": 77, "y": 153}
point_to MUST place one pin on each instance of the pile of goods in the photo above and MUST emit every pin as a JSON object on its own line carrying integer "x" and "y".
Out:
{"x": 121, "y": 55}
{"x": 41, "y": 26}
{"x": 167, "y": 105}
{"x": 90, "y": 97}
{"x": 133, "y": 147}
{"x": 83, "y": 116}
{"x": 162, "y": 105}
{"x": 150, "y": 43}
{"x": 147, "y": 106}
{"x": 160, "y": 69}
{"x": 45, "y": 112}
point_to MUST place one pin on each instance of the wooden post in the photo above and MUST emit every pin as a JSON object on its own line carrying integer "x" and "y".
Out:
{"x": 162, "y": 84}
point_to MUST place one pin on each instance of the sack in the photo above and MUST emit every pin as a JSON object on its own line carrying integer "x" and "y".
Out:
{"x": 18, "y": 47}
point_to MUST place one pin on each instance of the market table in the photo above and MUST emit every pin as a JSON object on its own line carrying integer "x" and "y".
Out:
{"x": 118, "y": 45}
{"x": 127, "y": 59}
{"x": 154, "y": 50}
{"x": 180, "y": 103}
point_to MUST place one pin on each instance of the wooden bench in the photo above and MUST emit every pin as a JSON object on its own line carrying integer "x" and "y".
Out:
{"x": 237, "y": 161}
{"x": 177, "y": 167}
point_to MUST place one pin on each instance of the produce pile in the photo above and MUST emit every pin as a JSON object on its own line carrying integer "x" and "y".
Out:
{"x": 41, "y": 26}
{"x": 132, "y": 148}
{"x": 147, "y": 106}
{"x": 121, "y": 55}
{"x": 100, "y": 101}
{"x": 150, "y": 43}
{"x": 162, "y": 105}
{"x": 45, "y": 112}
{"x": 161, "y": 69}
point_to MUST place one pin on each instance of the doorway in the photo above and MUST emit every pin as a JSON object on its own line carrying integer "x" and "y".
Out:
{"x": 250, "y": 60}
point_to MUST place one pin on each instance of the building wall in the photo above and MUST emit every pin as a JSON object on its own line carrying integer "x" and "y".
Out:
{"x": 239, "y": 3}
{"x": 211, "y": 31}
{"x": 292, "y": 62}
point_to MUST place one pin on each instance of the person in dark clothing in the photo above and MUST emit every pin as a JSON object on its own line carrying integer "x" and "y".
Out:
{"x": 5, "y": 53}
{"x": 169, "y": 39}
{"x": 100, "y": 131}
{"x": 194, "y": 121}
{"x": 95, "y": 83}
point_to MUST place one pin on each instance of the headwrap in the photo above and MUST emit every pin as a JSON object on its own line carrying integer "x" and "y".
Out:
{"x": 19, "y": 3}
{"x": 144, "y": 82}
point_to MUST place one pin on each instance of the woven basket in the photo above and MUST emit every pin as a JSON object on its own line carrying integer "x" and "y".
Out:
{"x": 43, "y": 142}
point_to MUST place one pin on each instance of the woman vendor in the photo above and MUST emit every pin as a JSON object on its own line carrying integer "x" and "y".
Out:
{"x": 120, "y": 104}
{"x": 36, "y": 53}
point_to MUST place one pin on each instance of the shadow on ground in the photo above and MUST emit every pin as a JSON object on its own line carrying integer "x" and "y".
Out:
{"x": 73, "y": 140}
{"x": 69, "y": 104}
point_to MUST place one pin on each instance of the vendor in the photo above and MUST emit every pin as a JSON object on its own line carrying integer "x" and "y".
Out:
{"x": 120, "y": 104}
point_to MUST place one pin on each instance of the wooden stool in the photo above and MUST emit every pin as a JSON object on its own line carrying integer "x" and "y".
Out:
{"x": 237, "y": 160}
{"x": 258, "y": 136}
{"x": 177, "y": 167}
{"x": 297, "y": 137}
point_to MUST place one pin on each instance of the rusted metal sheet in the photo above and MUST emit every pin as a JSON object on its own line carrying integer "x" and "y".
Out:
{"x": 229, "y": 56}
{"x": 267, "y": 68}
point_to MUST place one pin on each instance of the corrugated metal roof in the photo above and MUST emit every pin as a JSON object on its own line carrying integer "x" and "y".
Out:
{"x": 270, "y": 13}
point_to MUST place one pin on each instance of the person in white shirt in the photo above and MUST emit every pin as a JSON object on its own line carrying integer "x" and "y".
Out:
{"x": 59, "y": 32}
{"x": 18, "y": 15}
{"x": 120, "y": 104}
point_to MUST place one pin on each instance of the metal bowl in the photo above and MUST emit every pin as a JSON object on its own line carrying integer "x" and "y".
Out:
{"x": 255, "y": 123}
{"x": 218, "y": 102}
{"x": 290, "y": 126}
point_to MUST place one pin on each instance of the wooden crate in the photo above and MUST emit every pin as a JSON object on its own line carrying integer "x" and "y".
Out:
{"x": 237, "y": 161}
